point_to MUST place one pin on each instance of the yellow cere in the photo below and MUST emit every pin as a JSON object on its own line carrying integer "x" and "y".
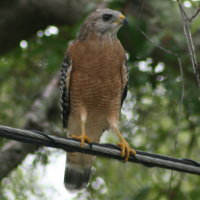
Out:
{"x": 121, "y": 16}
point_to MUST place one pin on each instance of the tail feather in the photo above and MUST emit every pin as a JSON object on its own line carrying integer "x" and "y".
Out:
{"x": 76, "y": 179}
{"x": 77, "y": 171}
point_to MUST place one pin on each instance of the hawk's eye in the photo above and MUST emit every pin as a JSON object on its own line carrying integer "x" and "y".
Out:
{"x": 107, "y": 17}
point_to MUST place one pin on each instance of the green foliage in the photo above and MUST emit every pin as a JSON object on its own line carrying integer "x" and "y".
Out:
{"x": 21, "y": 185}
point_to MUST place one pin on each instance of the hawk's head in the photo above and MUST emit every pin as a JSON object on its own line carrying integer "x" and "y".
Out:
{"x": 103, "y": 22}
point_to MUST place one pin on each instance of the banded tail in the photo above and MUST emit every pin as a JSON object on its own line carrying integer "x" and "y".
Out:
{"x": 78, "y": 171}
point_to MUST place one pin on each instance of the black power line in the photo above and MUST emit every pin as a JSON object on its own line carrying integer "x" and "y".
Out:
{"x": 105, "y": 150}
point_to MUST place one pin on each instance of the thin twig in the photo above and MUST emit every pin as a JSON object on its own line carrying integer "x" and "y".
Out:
{"x": 190, "y": 43}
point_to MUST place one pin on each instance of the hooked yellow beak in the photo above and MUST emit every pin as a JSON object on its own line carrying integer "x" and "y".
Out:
{"x": 121, "y": 16}
{"x": 122, "y": 19}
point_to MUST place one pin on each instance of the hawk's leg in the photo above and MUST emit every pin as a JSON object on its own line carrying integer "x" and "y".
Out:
{"x": 83, "y": 137}
{"x": 126, "y": 150}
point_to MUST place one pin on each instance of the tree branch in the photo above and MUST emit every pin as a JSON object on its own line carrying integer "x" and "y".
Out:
{"x": 13, "y": 153}
{"x": 20, "y": 19}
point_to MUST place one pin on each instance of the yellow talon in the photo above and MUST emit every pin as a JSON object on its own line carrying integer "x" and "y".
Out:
{"x": 126, "y": 150}
{"x": 83, "y": 138}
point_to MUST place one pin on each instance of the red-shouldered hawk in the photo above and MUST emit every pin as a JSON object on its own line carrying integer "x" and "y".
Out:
{"x": 93, "y": 87}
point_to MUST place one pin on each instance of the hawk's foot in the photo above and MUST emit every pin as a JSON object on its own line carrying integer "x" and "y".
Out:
{"x": 83, "y": 138}
{"x": 126, "y": 150}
